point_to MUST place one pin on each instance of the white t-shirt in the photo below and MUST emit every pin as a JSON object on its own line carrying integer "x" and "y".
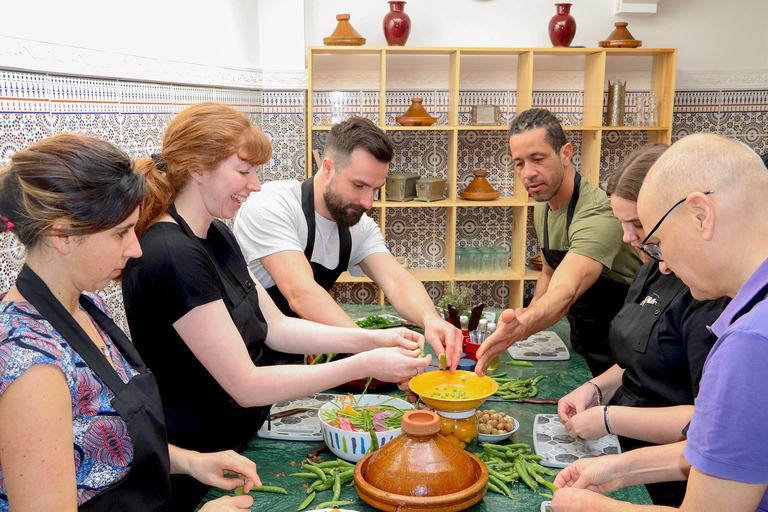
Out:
{"x": 272, "y": 221}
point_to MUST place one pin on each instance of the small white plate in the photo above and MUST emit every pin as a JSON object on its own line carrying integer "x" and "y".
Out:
{"x": 495, "y": 438}
{"x": 551, "y": 441}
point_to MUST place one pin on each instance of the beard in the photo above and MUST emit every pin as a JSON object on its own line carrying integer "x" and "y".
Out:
{"x": 346, "y": 215}
{"x": 551, "y": 187}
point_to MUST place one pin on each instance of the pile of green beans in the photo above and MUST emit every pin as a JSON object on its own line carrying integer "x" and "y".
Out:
{"x": 511, "y": 463}
{"x": 510, "y": 389}
{"x": 326, "y": 475}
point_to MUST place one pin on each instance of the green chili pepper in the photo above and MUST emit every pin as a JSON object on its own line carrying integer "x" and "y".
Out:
{"x": 306, "y": 502}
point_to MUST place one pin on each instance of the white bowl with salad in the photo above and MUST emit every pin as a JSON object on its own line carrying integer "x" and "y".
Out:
{"x": 347, "y": 423}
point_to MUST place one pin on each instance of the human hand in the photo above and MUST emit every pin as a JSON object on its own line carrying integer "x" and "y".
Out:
{"x": 229, "y": 504}
{"x": 600, "y": 474}
{"x": 210, "y": 469}
{"x": 444, "y": 337}
{"x": 578, "y": 400}
{"x": 394, "y": 364}
{"x": 507, "y": 332}
{"x": 400, "y": 337}
{"x": 578, "y": 500}
{"x": 588, "y": 424}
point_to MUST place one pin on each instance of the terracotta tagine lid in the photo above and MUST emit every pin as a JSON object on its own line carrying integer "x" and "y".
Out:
{"x": 479, "y": 189}
{"x": 421, "y": 470}
{"x": 620, "y": 38}
{"x": 344, "y": 35}
{"x": 416, "y": 115}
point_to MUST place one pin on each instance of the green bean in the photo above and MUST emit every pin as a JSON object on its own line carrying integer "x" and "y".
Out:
{"x": 540, "y": 469}
{"x": 321, "y": 486}
{"x": 501, "y": 485}
{"x": 323, "y": 465}
{"x": 532, "y": 457}
{"x": 240, "y": 491}
{"x": 304, "y": 475}
{"x": 534, "y": 392}
{"x": 537, "y": 379}
{"x": 269, "y": 488}
{"x": 495, "y": 375}
{"x": 492, "y": 451}
{"x": 500, "y": 447}
{"x": 546, "y": 483}
{"x": 442, "y": 361}
{"x": 318, "y": 358}
{"x": 500, "y": 476}
{"x": 306, "y": 502}
{"x": 520, "y": 363}
{"x": 317, "y": 471}
{"x": 545, "y": 495}
{"x": 334, "y": 504}
{"x": 503, "y": 465}
{"x": 347, "y": 476}
{"x": 495, "y": 489}
{"x": 524, "y": 476}
{"x": 329, "y": 357}
{"x": 336, "y": 487}
{"x": 518, "y": 445}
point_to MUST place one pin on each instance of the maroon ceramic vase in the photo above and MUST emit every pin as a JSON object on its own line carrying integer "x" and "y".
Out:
{"x": 562, "y": 26}
{"x": 397, "y": 24}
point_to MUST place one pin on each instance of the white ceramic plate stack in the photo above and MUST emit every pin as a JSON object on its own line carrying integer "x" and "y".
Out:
{"x": 551, "y": 441}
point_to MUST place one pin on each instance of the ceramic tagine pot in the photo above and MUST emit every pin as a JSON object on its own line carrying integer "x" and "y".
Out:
{"x": 397, "y": 24}
{"x": 344, "y": 34}
{"x": 562, "y": 26}
{"x": 479, "y": 189}
{"x": 421, "y": 470}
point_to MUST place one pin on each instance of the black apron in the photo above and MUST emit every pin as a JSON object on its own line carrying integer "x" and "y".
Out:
{"x": 226, "y": 426}
{"x": 147, "y": 485}
{"x": 323, "y": 276}
{"x": 591, "y": 314}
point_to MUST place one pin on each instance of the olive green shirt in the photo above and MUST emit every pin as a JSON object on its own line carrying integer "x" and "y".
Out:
{"x": 594, "y": 233}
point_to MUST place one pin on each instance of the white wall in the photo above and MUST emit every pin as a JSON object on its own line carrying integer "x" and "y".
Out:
{"x": 710, "y": 34}
{"x": 245, "y": 42}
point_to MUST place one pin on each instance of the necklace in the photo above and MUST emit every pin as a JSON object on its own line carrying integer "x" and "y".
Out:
{"x": 94, "y": 335}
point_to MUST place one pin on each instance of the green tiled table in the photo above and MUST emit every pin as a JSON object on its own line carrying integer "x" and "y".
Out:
{"x": 273, "y": 457}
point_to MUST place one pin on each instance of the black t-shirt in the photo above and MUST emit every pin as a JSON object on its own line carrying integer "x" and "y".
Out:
{"x": 174, "y": 275}
{"x": 661, "y": 338}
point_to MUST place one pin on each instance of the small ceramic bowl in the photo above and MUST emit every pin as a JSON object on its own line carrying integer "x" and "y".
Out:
{"x": 351, "y": 446}
{"x": 496, "y": 438}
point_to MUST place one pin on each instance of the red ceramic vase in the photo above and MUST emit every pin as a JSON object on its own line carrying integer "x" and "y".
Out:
{"x": 397, "y": 24}
{"x": 562, "y": 26}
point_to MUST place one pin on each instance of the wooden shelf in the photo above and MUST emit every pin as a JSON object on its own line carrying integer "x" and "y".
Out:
{"x": 662, "y": 72}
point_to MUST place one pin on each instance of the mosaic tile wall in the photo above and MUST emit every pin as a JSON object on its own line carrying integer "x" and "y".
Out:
{"x": 133, "y": 116}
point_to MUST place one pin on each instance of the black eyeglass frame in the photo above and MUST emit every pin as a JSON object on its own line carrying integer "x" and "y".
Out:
{"x": 653, "y": 250}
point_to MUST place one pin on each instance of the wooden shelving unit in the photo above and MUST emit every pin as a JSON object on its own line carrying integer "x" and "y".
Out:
{"x": 595, "y": 62}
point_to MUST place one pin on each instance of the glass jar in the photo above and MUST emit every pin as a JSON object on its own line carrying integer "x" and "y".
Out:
{"x": 474, "y": 260}
{"x": 461, "y": 260}
{"x": 502, "y": 259}
{"x": 487, "y": 258}
{"x": 459, "y": 427}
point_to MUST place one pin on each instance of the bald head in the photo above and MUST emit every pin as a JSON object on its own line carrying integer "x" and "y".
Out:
{"x": 706, "y": 162}
{"x": 730, "y": 221}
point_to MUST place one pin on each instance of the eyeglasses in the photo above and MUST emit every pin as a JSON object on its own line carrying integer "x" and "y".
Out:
{"x": 653, "y": 250}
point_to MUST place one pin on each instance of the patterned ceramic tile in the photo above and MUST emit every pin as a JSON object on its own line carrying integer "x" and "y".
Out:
{"x": 12, "y": 256}
{"x": 489, "y": 151}
{"x": 568, "y": 106}
{"x": 330, "y": 107}
{"x": 434, "y": 102}
{"x": 18, "y": 131}
{"x": 355, "y": 293}
{"x": 686, "y": 123}
{"x": 616, "y": 146}
{"x": 144, "y": 130}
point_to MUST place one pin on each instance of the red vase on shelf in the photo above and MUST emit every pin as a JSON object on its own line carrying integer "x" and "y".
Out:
{"x": 562, "y": 26}
{"x": 397, "y": 24}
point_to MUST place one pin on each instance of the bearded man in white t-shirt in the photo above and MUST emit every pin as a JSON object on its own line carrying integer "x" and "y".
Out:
{"x": 298, "y": 237}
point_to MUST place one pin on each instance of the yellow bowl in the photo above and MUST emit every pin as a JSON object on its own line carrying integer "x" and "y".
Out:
{"x": 476, "y": 388}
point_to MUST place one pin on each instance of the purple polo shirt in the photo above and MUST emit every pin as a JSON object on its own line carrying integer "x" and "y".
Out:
{"x": 727, "y": 438}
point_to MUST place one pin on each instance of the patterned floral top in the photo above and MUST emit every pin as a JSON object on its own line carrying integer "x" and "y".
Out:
{"x": 103, "y": 450}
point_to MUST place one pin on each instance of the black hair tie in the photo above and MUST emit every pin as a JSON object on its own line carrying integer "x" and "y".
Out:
{"x": 159, "y": 162}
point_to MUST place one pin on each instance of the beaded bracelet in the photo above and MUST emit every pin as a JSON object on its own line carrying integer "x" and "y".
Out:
{"x": 605, "y": 418}
{"x": 598, "y": 393}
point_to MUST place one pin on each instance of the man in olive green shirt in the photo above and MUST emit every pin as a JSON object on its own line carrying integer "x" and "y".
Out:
{"x": 587, "y": 266}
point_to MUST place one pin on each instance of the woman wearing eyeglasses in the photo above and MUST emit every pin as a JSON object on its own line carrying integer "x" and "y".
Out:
{"x": 660, "y": 341}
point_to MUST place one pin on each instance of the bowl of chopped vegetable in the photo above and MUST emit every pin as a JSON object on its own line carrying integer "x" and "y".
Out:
{"x": 348, "y": 421}
{"x": 458, "y": 391}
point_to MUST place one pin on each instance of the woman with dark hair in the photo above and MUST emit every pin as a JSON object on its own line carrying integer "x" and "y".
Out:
{"x": 81, "y": 424}
{"x": 660, "y": 341}
{"x": 199, "y": 317}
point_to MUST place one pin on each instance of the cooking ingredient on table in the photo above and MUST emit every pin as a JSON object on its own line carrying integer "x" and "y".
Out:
{"x": 493, "y": 422}
{"x": 509, "y": 464}
{"x": 511, "y": 389}
{"x": 349, "y": 415}
{"x": 374, "y": 322}
{"x": 329, "y": 475}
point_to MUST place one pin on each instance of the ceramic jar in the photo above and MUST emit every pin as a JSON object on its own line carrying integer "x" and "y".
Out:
{"x": 562, "y": 26}
{"x": 397, "y": 24}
